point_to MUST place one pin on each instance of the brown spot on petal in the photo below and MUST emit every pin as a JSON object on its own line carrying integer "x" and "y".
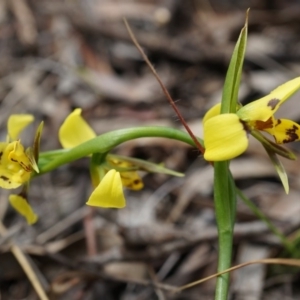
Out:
{"x": 136, "y": 181}
{"x": 292, "y": 135}
{"x": 273, "y": 103}
{"x": 1, "y": 153}
{"x": 4, "y": 178}
{"x": 260, "y": 125}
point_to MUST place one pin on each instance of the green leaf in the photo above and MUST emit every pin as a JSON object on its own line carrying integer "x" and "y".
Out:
{"x": 37, "y": 141}
{"x": 234, "y": 73}
{"x": 260, "y": 215}
{"x": 279, "y": 168}
{"x": 142, "y": 165}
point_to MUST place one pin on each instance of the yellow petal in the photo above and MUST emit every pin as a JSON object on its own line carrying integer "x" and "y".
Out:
{"x": 109, "y": 192}
{"x": 214, "y": 111}
{"x": 224, "y": 137}
{"x": 75, "y": 130}
{"x": 6, "y": 181}
{"x": 15, "y": 167}
{"x": 18, "y": 155}
{"x": 285, "y": 131}
{"x": 262, "y": 109}
{"x": 21, "y": 205}
{"x": 130, "y": 179}
{"x": 16, "y": 124}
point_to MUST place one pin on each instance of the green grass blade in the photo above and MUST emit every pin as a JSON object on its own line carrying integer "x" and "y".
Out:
{"x": 234, "y": 73}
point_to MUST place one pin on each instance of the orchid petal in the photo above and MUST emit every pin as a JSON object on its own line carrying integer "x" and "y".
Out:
{"x": 21, "y": 205}
{"x": 15, "y": 168}
{"x": 18, "y": 155}
{"x": 262, "y": 109}
{"x": 8, "y": 179}
{"x": 75, "y": 130}
{"x": 130, "y": 179}
{"x": 16, "y": 124}
{"x": 212, "y": 112}
{"x": 225, "y": 137}
{"x": 285, "y": 131}
{"x": 109, "y": 192}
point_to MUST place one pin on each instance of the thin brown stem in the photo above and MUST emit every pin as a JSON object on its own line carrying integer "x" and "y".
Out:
{"x": 164, "y": 89}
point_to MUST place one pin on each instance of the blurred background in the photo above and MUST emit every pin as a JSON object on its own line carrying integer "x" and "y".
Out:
{"x": 59, "y": 55}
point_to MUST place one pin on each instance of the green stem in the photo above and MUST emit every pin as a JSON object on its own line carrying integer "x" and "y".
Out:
{"x": 107, "y": 141}
{"x": 225, "y": 199}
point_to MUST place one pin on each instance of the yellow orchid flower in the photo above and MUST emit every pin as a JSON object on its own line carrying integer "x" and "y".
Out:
{"x": 75, "y": 131}
{"x": 17, "y": 164}
{"x": 226, "y": 135}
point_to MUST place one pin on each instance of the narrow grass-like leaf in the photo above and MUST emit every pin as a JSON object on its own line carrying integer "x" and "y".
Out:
{"x": 142, "y": 165}
{"x": 224, "y": 188}
{"x": 279, "y": 169}
{"x": 234, "y": 73}
{"x": 259, "y": 214}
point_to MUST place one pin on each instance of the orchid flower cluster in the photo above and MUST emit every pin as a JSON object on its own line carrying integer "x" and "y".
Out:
{"x": 109, "y": 173}
{"x": 225, "y": 137}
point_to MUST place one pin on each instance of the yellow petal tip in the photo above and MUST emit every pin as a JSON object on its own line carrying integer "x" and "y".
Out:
{"x": 21, "y": 205}
{"x": 75, "y": 130}
{"x": 16, "y": 124}
{"x": 109, "y": 192}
